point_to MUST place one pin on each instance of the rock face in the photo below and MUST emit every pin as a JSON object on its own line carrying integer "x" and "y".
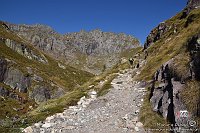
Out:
{"x": 167, "y": 86}
{"x": 83, "y": 50}
{"x": 97, "y": 42}
{"x": 24, "y": 50}
{"x": 20, "y": 82}
{"x": 156, "y": 34}
{"x": 165, "y": 96}
{"x": 13, "y": 77}
{"x": 16, "y": 80}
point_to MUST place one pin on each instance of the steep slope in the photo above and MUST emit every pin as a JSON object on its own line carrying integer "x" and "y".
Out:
{"x": 91, "y": 51}
{"x": 29, "y": 77}
{"x": 172, "y": 59}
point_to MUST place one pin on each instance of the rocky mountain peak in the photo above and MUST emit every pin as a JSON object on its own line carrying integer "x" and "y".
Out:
{"x": 27, "y": 28}
{"x": 77, "y": 48}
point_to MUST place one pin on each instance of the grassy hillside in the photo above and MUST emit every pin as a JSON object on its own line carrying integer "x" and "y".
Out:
{"x": 172, "y": 45}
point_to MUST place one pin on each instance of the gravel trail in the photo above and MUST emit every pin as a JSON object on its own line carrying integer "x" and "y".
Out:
{"x": 115, "y": 112}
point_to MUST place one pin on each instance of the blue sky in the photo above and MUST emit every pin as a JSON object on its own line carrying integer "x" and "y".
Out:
{"x": 134, "y": 17}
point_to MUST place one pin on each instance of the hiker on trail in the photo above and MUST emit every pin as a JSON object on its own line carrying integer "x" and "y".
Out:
{"x": 146, "y": 54}
{"x": 131, "y": 61}
{"x": 138, "y": 65}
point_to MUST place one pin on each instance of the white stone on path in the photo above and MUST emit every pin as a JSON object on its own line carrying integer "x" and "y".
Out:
{"x": 136, "y": 129}
{"x": 37, "y": 125}
{"x": 69, "y": 127}
{"x": 139, "y": 124}
{"x": 48, "y": 119}
{"x": 93, "y": 93}
{"x": 47, "y": 125}
{"x": 28, "y": 130}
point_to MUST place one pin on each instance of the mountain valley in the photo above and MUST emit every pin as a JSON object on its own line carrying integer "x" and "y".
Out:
{"x": 82, "y": 81}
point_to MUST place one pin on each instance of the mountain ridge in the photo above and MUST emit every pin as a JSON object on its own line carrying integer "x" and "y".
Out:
{"x": 78, "y": 49}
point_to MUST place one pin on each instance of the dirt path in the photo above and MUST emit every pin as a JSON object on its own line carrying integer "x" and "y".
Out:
{"x": 115, "y": 112}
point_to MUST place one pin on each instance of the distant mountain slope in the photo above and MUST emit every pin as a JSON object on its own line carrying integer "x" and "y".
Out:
{"x": 91, "y": 51}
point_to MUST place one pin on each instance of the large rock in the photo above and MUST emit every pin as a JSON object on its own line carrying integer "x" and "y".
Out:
{"x": 165, "y": 94}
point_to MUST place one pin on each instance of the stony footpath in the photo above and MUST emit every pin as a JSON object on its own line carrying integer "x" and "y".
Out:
{"x": 115, "y": 112}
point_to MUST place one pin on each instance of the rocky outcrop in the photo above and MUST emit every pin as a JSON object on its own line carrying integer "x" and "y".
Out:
{"x": 22, "y": 83}
{"x": 14, "y": 77}
{"x": 17, "y": 80}
{"x": 191, "y": 4}
{"x": 25, "y": 51}
{"x": 8, "y": 93}
{"x": 165, "y": 94}
{"x": 156, "y": 34}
